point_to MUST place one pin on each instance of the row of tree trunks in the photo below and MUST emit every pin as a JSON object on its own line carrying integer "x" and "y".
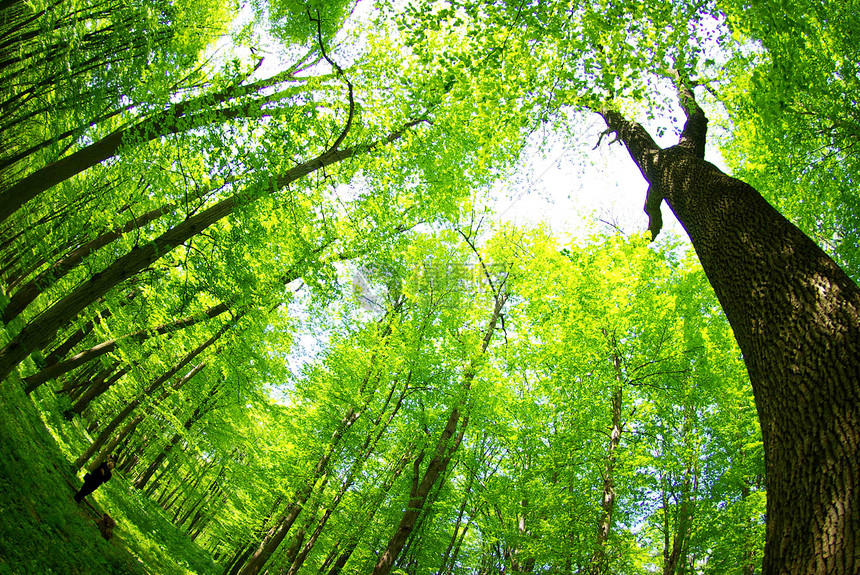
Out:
{"x": 153, "y": 388}
{"x": 108, "y": 430}
{"x": 27, "y": 293}
{"x": 446, "y": 446}
{"x": 276, "y": 535}
{"x": 32, "y": 382}
{"x": 42, "y": 329}
{"x": 180, "y": 117}
{"x": 195, "y": 416}
{"x": 367, "y": 449}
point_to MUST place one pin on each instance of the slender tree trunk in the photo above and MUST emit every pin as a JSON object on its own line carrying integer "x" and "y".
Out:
{"x": 78, "y": 383}
{"x": 166, "y": 472}
{"x": 275, "y": 536}
{"x": 77, "y": 337}
{"x": 184, "y": 509}
{"x": 445, "y": 449}
{"x": 232, "y": 568}
{"x": 674, "y": 554}
{"x": 796, "y": 317}
{"x": 168, "y": 498}
{"x": 599, "y": 564}
{"x": 32, "y": 382}
{"x": 199, "y": 412}
{"x": 179, "y": 118}
{"x": 364, "y": 453}
{"x": 366, "y": 520}
{"x": 447, "y": 556}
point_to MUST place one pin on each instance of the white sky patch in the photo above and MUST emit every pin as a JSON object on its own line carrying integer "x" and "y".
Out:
{"x": 577, "y": 190}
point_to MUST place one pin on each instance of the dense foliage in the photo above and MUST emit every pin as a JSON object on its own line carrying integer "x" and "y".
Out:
{"x": 242, "y": 249}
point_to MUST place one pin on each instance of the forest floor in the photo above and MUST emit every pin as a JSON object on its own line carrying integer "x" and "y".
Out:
{"x": 43, "y": 530}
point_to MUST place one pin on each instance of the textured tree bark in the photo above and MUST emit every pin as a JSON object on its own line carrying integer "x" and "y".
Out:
{"x": 796, "y": 317}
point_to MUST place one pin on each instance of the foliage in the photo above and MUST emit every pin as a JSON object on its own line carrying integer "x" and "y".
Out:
{"x": 792, "y": 103}
{"x": 602, "y": 415}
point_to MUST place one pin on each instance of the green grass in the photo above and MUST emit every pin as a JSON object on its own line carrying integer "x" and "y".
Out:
{"x": 43, "y": 530}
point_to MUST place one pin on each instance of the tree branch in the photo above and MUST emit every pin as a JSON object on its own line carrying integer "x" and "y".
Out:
{"x": 340, "y": 73}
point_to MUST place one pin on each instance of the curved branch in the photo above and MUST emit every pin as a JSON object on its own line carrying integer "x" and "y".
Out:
{"x": 340, "y": 73}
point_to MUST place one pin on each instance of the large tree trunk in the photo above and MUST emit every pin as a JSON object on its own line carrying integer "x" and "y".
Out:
{"x": 796, "y": 317}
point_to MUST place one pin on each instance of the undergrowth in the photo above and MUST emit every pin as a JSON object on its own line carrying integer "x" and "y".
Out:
{"x": 43, "y": 530}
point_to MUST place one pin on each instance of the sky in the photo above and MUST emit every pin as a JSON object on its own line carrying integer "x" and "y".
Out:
{"x": 578, "y": 190}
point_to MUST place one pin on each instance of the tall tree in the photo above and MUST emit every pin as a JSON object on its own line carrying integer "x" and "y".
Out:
{"x": 796, "y": 317}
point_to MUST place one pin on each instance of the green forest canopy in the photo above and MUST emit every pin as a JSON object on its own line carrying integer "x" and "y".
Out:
{"x": 243, "y": 248}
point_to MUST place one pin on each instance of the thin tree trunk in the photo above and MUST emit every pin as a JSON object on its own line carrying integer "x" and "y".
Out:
{"x": 675, "y": 554}
{"x": 447, "y": 555}
{"x": 275, "y": 536}
{"x": 232, "y": 568}
{"x": 77, "y": 337}
{"x": 445, "y": 449}
{"x": 599, "y": 562}
{"x": 179, "y": 118}
{"x": 364, "y": 453}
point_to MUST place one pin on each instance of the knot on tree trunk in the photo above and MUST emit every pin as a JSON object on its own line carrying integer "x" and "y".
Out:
{"x": 653, "y": 199}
